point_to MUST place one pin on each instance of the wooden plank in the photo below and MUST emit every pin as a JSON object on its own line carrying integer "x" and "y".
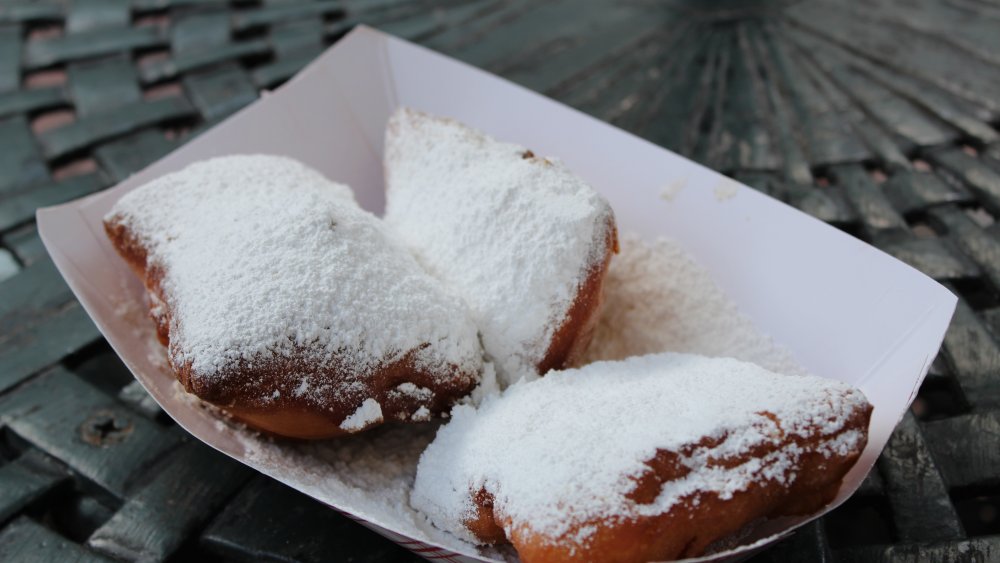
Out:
{"x": 603, "y": 90}
{"x": 965, "y": 116}
{"x": 480, "y": 21}
{"x": 88, "y": 15}
{"x": 31, "y": 11}
{"x": 793, "y": 125}
{"x": 974, "y": 358}
{"x": 71, "y": 420}
{"x": 710, "y": 143}
{"x": 20, "y": 208}
{"x": 844, "y": 105}
{"x": 949, "y": 22}
{"x": 194, "y": 483}
{"x": 936, "y": 257}
{"x": 27, "y": 479}
{"x": 939, "y": 104}
{"x": 826, "y": 204}
{"x": 294, "y": 37}
{"x": 9, "y": 267}
{"x": 478, "y": 18}
{"x": 944, "y": 66}
{"x": 744, "y": 136}
{"x": 907, "y": 121}
{"x": 660, "y": 98}
{"x": 103, "y": 369}
{"x": 199, "y": 30}
{"x": 10, "y": 56}
{"x": 921, "y": 508}
{"x": 909, "y": 125}
{"x": 876, "y": 213}
{"x": 580, "y": 49}
{"x": 991, "y": 156}
{"x": 78, "y": 514}
{"x": 102, "y": 85}
{"x": 872, "y": 486}
{"x": 151, "y": 5}
{"x": 981, "y": 246}
{"x": 910, "y": 191}
{"x": 271, "y": 74}
{"x": 279, "y": 13}
{"x": 125, "y": 119}
{"x": 763, "y": 182}
{"x": 28, "y": 101}
{"x": 46, "y": 52}
{"x": 191, "y": 60}
{"x": 991, "y": 318}
{"x": 269, "y": 521}
{"x": 683, "y": 120}
{"x": 974, "y": 549}
{"x": 956, "y": 165}
{"x": 44, "y": 343}
{"x": 123, "y": 157}
{"x": 965, "y": 448}
{"x": 21, "y": 163}
{"x": 37, "y": 291}
{"x": 25, "y": 541}
{"x": 829, "y": 138}
{"x": 523, "y": 32}
{"x": 791, "y": 144}
{"x": 219, "y": 91}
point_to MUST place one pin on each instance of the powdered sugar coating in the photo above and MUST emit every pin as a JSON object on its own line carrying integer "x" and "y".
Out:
{"x": 369, "y": 413}
{"x": 264, "y": 258}
{"x": 565, "y": 450}
{"x": 515, "y": 235}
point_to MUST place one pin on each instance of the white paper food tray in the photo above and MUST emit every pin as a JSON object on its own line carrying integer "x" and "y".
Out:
{"x": 846, "y": 310}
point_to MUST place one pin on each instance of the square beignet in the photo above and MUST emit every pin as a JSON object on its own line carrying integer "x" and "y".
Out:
{"x": 521, "y": 238}
{"x": 283, "y": 302}
{"x": 645, "y": 459}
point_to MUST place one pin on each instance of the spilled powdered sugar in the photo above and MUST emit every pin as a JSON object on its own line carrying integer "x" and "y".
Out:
{"x": 515, "y": 235}
{"x": 657, "y": 298}
{"x": 565, "y": 450}
{"x": 264, "y": 258}
{"x": 371, "y": 475}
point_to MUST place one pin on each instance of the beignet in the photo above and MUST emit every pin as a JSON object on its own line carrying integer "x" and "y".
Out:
{"x": 521, "y": 238}
{"x": 287, "y": 305}
{"x": 650, "y": 458}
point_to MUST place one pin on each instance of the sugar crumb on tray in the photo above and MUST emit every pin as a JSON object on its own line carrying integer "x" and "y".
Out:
{"x": 658, "y": 298}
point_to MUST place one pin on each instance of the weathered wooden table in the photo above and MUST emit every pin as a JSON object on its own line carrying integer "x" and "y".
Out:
{"x": 880, "y": 118}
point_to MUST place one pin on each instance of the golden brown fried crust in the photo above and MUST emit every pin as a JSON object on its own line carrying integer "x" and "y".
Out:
{"x": 695, "y": 522}
{"x": 485, "y": 525}
{"x": 570, "y": 340}
{"x": 262, "y": 393}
